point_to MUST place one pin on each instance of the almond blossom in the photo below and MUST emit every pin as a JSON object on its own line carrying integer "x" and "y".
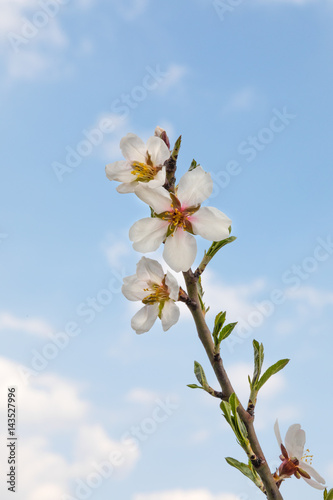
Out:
{"x": 294, "y": 460}
{"x": 157, "y": 291}
{"x": 143, "y": 163}
{"x": 177, "y": 217}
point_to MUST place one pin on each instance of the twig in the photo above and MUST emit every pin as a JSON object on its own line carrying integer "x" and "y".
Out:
{"x": 259, "y": 462}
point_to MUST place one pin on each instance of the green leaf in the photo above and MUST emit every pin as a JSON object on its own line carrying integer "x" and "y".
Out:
{"x": 218, "y": 324}
{"x": 193, "y": 165}
{"x": 217, "y": 245}
{"x": 194, "y": 386}
{"x": 243, "y": 468}
{"x": 176, "y": 148}
{"x": 240, "y": 429}
{"x": 271, "y": 371}
{"x": 226, "y": 331}
{"x": 234, "y": 403}
{"x": 258, "y": 360}
{"x": 200, "y": 374}
{"x": 201, "y": 293}
{"x": 226, "y": 409}
{"x": 328, "y": 495}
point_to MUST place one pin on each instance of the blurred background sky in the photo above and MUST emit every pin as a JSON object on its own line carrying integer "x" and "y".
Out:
{"x": 249, "y": 87}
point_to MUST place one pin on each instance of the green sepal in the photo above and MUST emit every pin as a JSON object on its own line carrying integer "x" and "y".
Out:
{"x": 194, "y": 386}
{"x": 193, "y": 165}
{"x": 271, "y": 371}
{"x": 170, "y": 231}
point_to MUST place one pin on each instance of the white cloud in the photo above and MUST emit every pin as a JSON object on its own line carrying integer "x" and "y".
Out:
{"x": 200, "y": 436}
{"x": 32, "y": 37}
{"x": 48, "y": 400}
{"x": 47, "y": 406}
{"x": 174, "y": 75}
{"x": 115, "y": 250}
{"x": 311, "y": 296}
{"x": 141, "y": 395}
{"x": 185, "y": 495}
{"x": 238, "y": 373}
{"x": 242, "y": 100}
{"x": 34, "y": 326}
{"x": 237, "y": 300}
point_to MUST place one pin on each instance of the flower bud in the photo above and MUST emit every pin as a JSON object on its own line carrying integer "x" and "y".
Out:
{"x": 160, "y": 132}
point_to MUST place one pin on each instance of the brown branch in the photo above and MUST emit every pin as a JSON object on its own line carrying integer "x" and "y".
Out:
{"x": 259, "y": 462}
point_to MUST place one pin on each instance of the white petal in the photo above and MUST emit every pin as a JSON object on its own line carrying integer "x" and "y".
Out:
{"x": 170, "y": 314}
{"x": 133, "y": 148}
{"x": 313, "y": 483}
{"x": 158, "y": 198}
{"x": 119, "y": 171}
{"x": 127, "y": 187}
{"x": 210, "y": 223}
{"x": 180, "y": 250}
{"x": 194, "y": 187}
{"x": 310, "y": 470}
{"x": 144, "y": 319}
{"x": 158, "y": 180}
{"x": 133, "y": 289}
{"x": 295, "y": 441}
{"x": 172, "y": 285}
{"x": 149, "y": 270}
{"x": 158, "y": 150}
{"x": 277, "y": 433}
{"x": 147, "y": 234}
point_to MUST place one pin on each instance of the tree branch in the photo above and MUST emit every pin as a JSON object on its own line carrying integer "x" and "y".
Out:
{"x": 259, "y": 461}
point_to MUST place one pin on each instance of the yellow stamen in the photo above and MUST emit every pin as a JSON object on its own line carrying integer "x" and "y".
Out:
{"x": 307, "y": 457}
{"x": 144, "y": 172}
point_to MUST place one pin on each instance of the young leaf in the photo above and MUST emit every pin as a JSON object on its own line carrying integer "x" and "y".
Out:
{"x": 194, "y": 386}
{"x": 328, "y": 495}
{"x": 218, "y": 324}
{"x": 243, "y": 468}
{"x": 217, "y": 245}
{"x": 226, "y": 409}
{"x": 271, "y": 371}
{"x": 226, "y": 331}
{"x": 200, "y": 374}
{"x": 258, "y": 360}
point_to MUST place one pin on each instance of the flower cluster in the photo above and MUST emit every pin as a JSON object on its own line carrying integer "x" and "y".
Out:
{"x": 176, "y": 216}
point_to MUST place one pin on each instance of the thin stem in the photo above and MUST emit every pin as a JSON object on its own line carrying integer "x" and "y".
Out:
{"x": 259, "y": 461}
{"x": 171, "y": 165}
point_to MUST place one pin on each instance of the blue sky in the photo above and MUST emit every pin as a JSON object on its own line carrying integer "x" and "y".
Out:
{"x": 248, "y": 85}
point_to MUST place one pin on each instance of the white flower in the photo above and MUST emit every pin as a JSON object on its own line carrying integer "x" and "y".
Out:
{"x": 158, "y": 291}
{"x": 177, "y": 218}
{"x": 294, "y": 460}
{"x": 144, "y": 163}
